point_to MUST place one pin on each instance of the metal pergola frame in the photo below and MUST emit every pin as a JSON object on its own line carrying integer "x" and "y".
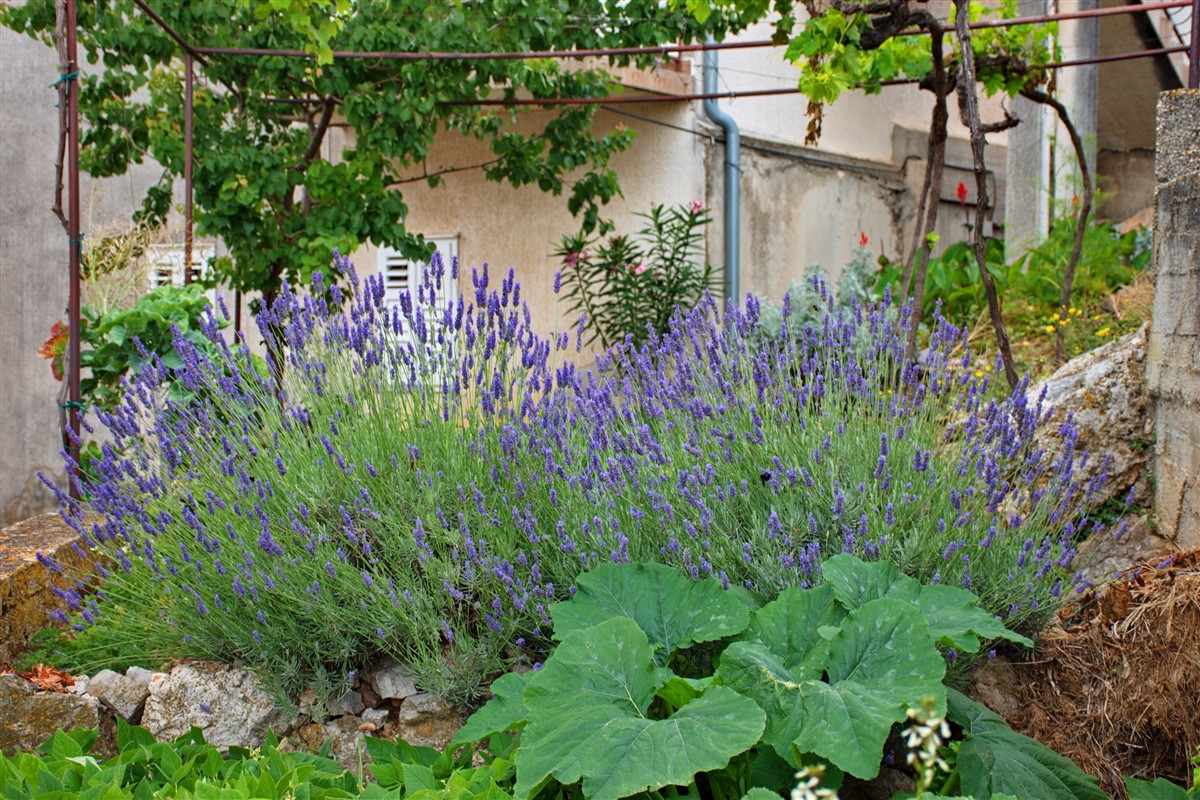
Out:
{"x": 69, "y": 86}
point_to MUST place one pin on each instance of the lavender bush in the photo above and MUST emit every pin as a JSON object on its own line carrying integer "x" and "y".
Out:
{"x": 423, "y": 482}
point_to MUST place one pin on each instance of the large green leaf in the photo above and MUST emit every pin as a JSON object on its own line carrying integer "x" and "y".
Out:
{"x": 505, "y": 711}
{"x": 791, "y": 626}
{"x": 952, "y": 614}
{"x": 880, "y": 662}
{"x": 1161, "y": 789}
{"x": 673, "y": 611}
{"x": 588, "y": 719}
{"x": 993, "y": 758}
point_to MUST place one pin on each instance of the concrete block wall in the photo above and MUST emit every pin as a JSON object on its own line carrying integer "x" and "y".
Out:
{"x": 1173, "y": 358}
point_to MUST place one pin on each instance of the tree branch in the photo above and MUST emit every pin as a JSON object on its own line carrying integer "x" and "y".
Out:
{"x": 318, "y": 134}
{"x": 933, "y": 181}
{"x": 968, "y": 95}
{"x": 447, "y": 171}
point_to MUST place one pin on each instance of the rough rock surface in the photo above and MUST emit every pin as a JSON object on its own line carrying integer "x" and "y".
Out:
{"x": 1101, "y": 556}
{"x": 126, "y": 695}
{"x": 28, "y": 717}
{"x": 228, "y": 704}
{"x": 428, "y": 722}
{"x": 26, "y": 598}
{"x": 348, "y": 704}
{"x": 346, "y": 744}
{"x": 142, "y": 677}
{"x": 1105, "y": 393}
{"x": 1173, "y": 364}
{"x": 392, "y": 682}
{"x": 995, "y": 686}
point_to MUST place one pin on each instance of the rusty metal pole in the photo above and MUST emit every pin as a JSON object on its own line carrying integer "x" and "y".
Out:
{"x": 188, "y": 97}
{"x": 1194, "y": 52}
{"x": 75, "y": 239}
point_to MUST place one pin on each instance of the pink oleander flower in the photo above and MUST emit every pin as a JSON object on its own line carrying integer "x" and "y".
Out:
{"x": 639, "y": 268}
{"x": 696, "y": 206}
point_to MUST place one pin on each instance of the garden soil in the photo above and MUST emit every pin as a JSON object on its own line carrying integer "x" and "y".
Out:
{"x": 1115, "y": 683}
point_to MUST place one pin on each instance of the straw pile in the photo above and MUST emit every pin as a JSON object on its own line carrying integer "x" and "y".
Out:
{"x": 1115, "y": 685}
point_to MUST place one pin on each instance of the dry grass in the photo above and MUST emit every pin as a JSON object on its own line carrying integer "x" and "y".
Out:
{"x": 1116, "y": 686}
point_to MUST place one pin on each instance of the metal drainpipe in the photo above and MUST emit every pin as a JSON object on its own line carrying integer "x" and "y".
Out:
{"x": 733, "y": 173}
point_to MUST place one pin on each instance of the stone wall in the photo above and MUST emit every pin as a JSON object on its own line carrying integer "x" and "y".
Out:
{"x": 26, "y": 596}
{"x": 1173, "y": 358}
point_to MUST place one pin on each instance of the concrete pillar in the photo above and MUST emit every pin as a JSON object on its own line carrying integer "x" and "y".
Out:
{"x": 1027, "y": 166}
{"x": 1173, "y": 358}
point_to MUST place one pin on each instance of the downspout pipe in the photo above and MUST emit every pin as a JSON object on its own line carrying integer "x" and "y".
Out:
{"x": 733, "y": 174}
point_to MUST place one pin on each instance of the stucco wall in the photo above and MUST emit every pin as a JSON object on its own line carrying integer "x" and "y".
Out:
{"x": 520, "y": 228}
{"x": 33, "y": 267}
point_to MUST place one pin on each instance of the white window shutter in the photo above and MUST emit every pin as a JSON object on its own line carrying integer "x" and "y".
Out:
{"x": 165, "y": 264}
{"x": 400, "y": 273}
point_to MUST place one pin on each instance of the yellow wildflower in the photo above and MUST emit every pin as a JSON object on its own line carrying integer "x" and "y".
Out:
{"x": 1049, "y": 329}
{"x": 1103, "y": 332}
{"x": 978, "y": 374}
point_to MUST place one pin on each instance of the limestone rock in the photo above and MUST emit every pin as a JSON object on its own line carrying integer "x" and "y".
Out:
{"x": 28, "y": 718}
{"x": 345, "y": 740}
{"x": 427, "y": 721}
{"x": 996, "y": 687}
{"x": 1102, "y": 556}
{"x": 348, "y": 704}
{"x": 26, "y": 594}
{"x": 1104, "y": 391}
{"x": 228, "y": 704}
{"x": 375, "y": 716}
{"x": 392, "y": 682}
{"x": 141, "y": 676}
{"x": 126, "y": 695}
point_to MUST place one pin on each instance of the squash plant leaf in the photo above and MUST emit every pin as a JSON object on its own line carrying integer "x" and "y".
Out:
{"x": 1161, "y": 789}
{"x": 993, "y": 758}
{"x": 791, "y": 624}
{"x": 880, "y": 659}
{"x": 589, "y": 719}
{"x": 505, "y": 711}
{"x": 952, "y": 614}
{"x": 673, "y": 611}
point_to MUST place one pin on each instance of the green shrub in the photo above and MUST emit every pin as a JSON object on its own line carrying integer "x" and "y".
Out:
{"x": 816, "y": 678}
{"x": 423, "y": 482}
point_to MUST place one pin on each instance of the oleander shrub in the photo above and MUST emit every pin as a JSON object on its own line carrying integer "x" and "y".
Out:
{"x": 423, "y": 480}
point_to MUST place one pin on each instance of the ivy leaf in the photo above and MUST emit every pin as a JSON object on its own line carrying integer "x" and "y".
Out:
{"x": 588, "y": 719}
{"x": 673, "y": 611}
{"x": 994, "y": 758}
{"x": 880, "y": 661}
{"x": 952, "y": 614}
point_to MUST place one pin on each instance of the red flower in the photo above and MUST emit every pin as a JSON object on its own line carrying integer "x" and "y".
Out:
{"x": 54, "y": 348}
{"x": 862, "y": 239}
{"x": 961, "y": 193}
